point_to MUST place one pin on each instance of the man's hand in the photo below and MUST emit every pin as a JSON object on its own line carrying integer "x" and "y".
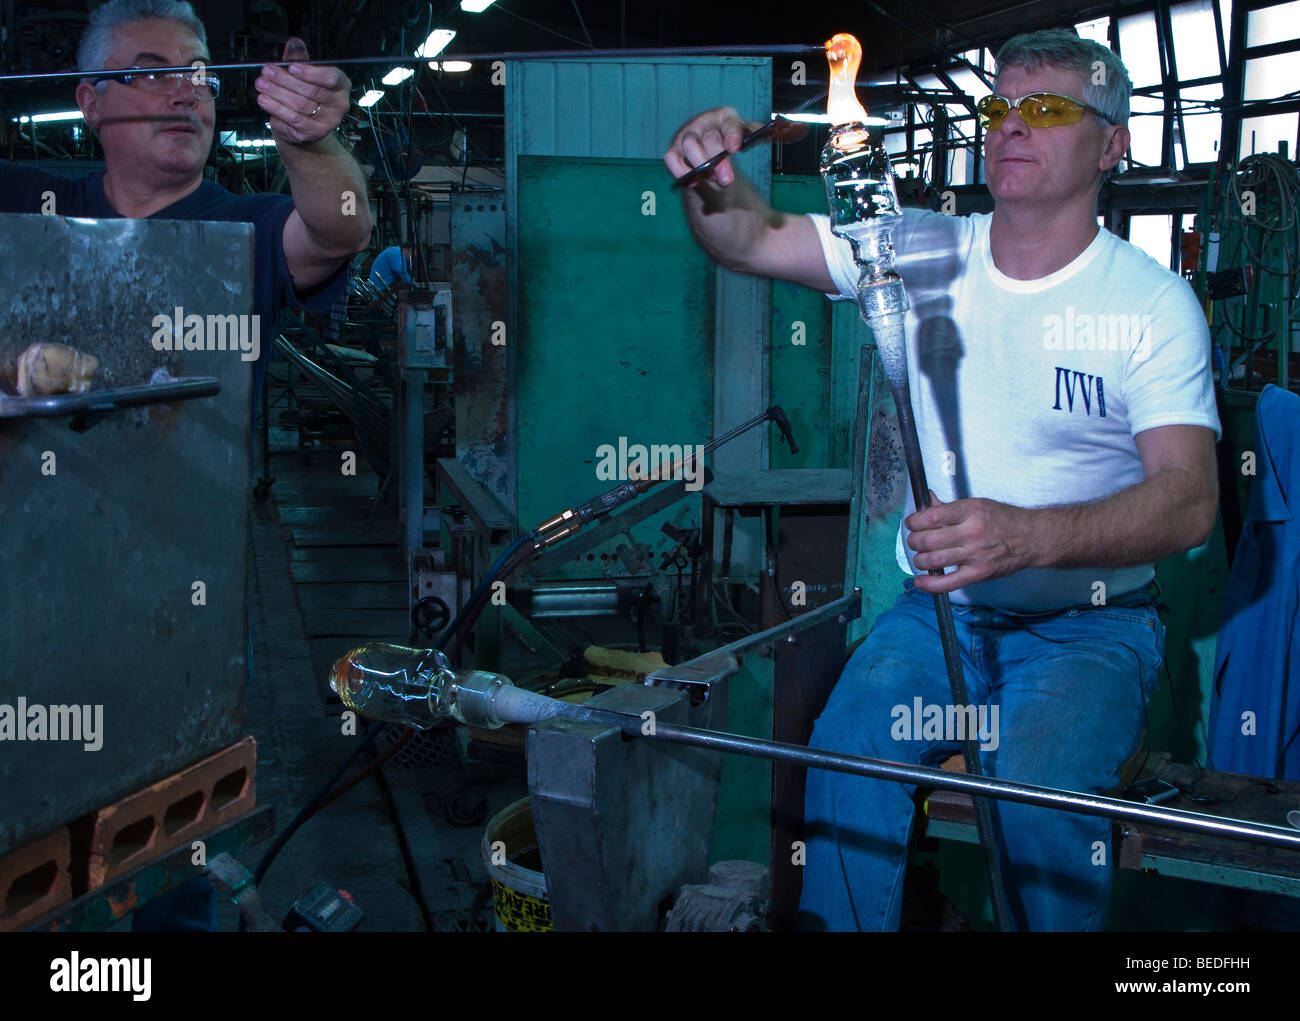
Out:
{"x": 983, "y": 538}
{"x": 331, "y": 217}
{"x": 703, "y": 137}
{"x": 305, "y": 102}
{"x": 732, "y": 222}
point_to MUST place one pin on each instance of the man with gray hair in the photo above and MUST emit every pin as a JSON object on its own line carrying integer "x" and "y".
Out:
{"x": 156, "y": 131}
{"x": 1074, "y": 454}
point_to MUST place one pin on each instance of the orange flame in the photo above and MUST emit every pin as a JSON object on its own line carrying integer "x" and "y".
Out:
{"x": 844, "y": 53}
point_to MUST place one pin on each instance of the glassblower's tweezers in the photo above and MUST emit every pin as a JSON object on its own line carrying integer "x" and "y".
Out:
{"x": 754, "y": 136}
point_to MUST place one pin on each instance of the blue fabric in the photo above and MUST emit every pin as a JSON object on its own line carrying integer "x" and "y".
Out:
{"x": 1257, "y": 661}
{"x": 1071, "y": 687}
{"x": 388, "y": 266}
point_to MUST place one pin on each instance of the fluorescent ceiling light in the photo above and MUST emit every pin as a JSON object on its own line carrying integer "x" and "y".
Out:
{"x": 254, "y": 143}
{"x": 371, "y": 97}
{"x": 450, "y": 66}
{"x": 46, "y": 118}
{"x": 436, "y": 43}
{"x": 398, "y": 75}
{"x": 475, "y": 6}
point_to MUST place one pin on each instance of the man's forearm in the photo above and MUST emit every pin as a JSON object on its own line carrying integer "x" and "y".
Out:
{"x": 1155, "y": 518}
{"x": 729, "y": 222}
{"x": 739, "y": 230}
{"x": 321, "y": 176}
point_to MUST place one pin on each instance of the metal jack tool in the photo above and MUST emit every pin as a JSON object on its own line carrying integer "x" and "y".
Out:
{"x": 781, "y": 128}
{"x": 864, "y": 209}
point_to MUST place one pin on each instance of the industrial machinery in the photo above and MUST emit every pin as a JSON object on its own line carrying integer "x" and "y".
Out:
{"x": 614, "y": 862}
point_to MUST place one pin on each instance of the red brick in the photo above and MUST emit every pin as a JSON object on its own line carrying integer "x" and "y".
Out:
{"x": 35, "y": 879}
{"x": 172, "y": 812}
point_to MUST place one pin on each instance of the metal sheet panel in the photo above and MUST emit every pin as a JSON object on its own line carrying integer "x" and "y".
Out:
{"x": 612, "y": 858}
{"x": 100, "y": 557}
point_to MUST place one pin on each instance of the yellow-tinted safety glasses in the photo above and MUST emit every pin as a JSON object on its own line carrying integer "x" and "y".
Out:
{"x": 1038, "y": 110}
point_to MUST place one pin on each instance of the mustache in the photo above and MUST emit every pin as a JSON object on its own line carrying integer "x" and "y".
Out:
{"x": 166, "y": 120}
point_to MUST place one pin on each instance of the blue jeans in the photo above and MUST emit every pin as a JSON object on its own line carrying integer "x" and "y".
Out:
{"x": 1069, "y": 689}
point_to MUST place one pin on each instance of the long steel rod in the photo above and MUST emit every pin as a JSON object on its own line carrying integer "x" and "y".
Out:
{"x": 985, "y": 817}
{"x": 582, "y": 54}
{"x": 940, "y": 779}
{"x": 104, "y": 401}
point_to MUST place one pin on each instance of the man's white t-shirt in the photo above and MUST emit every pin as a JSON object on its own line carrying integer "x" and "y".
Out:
{"x": 1029, "y": 392}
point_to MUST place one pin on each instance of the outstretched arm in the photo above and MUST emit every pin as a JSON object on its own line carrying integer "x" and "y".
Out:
{"x": 305, "y": 104}
{"x": 730, "y": 219}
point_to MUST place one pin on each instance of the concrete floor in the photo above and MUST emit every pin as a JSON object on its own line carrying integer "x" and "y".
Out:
{"x": 315, "y": 590}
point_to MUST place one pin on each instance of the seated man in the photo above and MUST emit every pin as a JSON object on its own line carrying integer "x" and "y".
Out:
{"x": 1062, "y": 392}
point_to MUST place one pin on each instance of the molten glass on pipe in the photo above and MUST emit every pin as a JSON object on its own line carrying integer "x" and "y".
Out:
{"x": 860, "y": 188}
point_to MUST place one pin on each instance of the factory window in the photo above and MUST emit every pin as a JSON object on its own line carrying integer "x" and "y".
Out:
{"x": 922, "y": 161}
{"x": 1202, "y": 124}
{"x": 1273, "y": 24}
{"x": 1154, "y": 235}
{"x": 1269, "y": 77}
{"x": 1225, "y": 19}
{"x": 1196, "y": 46}
{"x": 1262, "y": 134}
{"x": 1147, "y": 129}
{"x": 982, "y": 57}
{"x": 968, "y": 81}
{"x": 959, "y": 167}
{"x": 1139, "y": 50}
{"x": 1096, "y": 30}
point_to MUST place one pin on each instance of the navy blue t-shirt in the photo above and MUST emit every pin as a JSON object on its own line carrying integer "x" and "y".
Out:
{"x": 21, "y": 190}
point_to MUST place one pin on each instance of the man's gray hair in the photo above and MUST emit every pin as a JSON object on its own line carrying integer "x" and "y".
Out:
{"x": 1106, "y": 83}
{"x": 97, "y": 41}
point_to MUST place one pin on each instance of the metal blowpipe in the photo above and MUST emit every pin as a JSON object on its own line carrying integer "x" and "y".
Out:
{"x": 583, "y": 54}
